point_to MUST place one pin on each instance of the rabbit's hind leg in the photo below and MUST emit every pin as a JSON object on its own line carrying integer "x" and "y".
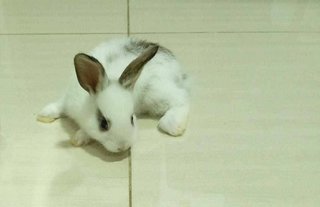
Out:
{"x": 169, "y": 101}
{"x": 174, "y": 121}
{"x": 175, "y": 118}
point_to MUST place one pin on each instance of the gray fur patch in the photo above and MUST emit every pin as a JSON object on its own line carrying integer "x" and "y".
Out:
{"x": 112, "y": 57}
{"x": 138, "y": 46}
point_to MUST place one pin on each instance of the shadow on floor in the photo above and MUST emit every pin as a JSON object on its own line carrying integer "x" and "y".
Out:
{"x": 93, "y": 148}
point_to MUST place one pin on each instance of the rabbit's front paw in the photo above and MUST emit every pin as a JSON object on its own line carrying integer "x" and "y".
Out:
{"x": 80, "y": 139}
{"x": 50, "y": 113}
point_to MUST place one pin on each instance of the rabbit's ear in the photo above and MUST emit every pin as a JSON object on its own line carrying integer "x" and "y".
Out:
{"x": 90, "y": 73}
{"x": 133, "y": 70}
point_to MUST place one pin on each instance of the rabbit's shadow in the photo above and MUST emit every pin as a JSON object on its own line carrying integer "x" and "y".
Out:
{"x": 93, "y": 148}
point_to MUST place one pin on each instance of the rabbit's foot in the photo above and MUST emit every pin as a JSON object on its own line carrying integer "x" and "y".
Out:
{"x": 50, "y": 113}
{"x": 174, "y": 121}
{"x": 80, "y": 139}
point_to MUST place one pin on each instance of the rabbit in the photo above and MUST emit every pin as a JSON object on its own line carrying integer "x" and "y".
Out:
{"x": 116, "y": 82}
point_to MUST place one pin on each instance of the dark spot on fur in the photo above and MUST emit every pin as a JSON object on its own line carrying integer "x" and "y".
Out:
{"x": 138, "y": 46}
{"x": 112, "y": 57}
{"x": 184, "y": 76}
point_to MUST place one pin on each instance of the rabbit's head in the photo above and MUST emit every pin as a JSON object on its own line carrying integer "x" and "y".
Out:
{"x": 114, "y": 122}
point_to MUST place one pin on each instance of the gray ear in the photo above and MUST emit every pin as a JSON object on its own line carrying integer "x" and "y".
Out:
{"x": 133, "y": 70}
{"x": 90, "y": 72}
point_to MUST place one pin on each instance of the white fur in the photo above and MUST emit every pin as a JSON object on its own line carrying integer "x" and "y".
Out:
{"x": 161, "y": 90}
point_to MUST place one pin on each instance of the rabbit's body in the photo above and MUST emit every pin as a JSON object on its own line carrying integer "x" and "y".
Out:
{"x": 160, "y": 89}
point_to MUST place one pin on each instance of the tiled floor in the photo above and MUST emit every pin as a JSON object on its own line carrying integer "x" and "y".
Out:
{"x": 254, "y": 133}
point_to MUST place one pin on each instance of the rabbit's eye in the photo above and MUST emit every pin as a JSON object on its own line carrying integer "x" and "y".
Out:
{"x": 104, "y": 124}
{"x": 132, "y": 120}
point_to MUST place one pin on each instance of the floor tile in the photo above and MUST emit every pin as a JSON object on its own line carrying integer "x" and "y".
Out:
{"x": 224, "y": 16}
{"x": 253, "y": 136}
{"x": 45, "y": 16}
{"x": 38, "y": 165}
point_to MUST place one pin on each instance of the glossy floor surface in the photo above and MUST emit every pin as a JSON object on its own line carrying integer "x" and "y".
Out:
{"x": 253, "y": 137}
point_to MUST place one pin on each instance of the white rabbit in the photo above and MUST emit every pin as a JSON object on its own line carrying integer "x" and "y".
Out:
{"x": 111, "y": 89}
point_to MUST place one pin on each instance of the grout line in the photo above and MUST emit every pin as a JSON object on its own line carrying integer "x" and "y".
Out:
{"x": 231, "y": 32}
{"x": 268, "y": 31}
{"x": 130, "y": 178}
{"x": 128, "y": 32}
{"x": 48, "y": 34}
{"x": 130, "y": 152}
{"x": 128, "y": 17}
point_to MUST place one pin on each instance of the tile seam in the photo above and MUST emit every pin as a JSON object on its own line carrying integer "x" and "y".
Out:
{"x": 128, "y": 17}
{"x": 130, "y": 152}
{"x": 229, "y": 32}
{"x": 130, "y": 178}
{"x": 58, "y": 34}
{"x": 128, "y": 33}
